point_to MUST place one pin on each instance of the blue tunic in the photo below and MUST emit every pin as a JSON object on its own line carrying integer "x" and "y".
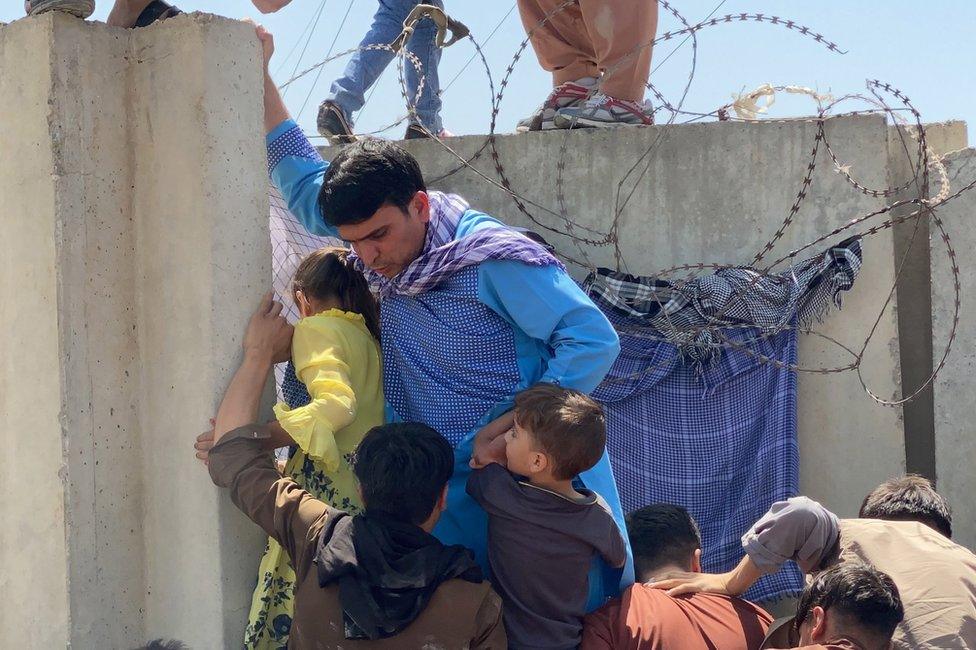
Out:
{"x": 455, "y": 356}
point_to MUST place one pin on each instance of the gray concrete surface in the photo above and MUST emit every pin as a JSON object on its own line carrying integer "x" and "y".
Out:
{"x": 955, "y": 386}
{"x": 716, "y": 193}
{"x": 135, "y": 245}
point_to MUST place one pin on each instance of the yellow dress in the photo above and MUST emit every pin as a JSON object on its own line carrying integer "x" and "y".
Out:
{"x": 339, "y": 362}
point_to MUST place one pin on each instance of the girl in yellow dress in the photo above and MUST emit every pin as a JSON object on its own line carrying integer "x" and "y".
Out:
{"x": 336, "y": 354}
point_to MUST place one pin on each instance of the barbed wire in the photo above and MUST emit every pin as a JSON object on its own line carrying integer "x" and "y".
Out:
{"x": 922, "y": 208}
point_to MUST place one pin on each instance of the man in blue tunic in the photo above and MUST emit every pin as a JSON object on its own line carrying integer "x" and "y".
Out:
{"x": 472, "y": 312}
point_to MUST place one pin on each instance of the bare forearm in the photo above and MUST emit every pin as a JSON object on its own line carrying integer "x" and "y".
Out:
{"x": 274, "y": 107}
{"x": 243, "y": 396}
{"x": 743, "y": 576}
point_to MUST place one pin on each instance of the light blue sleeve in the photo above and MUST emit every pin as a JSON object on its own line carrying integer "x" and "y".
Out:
{"x": 297, "y": 170}
{"x": 547, "y": 305}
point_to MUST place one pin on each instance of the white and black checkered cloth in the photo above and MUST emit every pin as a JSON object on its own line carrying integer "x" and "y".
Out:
{"x": 719, "y": 437}
{"x": 686, "y": 314}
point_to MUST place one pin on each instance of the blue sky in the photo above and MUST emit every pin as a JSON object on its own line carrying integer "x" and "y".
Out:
{"x": 922, "y": 48}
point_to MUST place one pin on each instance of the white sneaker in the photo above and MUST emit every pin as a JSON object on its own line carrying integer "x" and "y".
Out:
{"x": 571, "y": 93}
{"x": 604, "y": 111}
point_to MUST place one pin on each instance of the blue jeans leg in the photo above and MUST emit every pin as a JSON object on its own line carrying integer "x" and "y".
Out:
{"x": 366, "y": 66}
{"x": 422, "y": 45}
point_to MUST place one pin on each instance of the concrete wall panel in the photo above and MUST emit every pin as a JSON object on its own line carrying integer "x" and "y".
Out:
{"x": 955, "y": 386}
{"x": 33, "y": 548}
{"x": 135, "y": 245}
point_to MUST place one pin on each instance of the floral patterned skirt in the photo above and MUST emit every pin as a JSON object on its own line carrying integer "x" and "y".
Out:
{"x": 269, "y": 622}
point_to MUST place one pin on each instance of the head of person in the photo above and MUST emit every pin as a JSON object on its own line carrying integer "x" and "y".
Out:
{"x": 909, "y": 498}
{"x": 558, "y": 433}
{"x": 664, "y": 537}
{"x": 327, "y": 279}
{"x": 165, "y": 644}
{"x": 402, "y": 470}
{"x": 374, "y": 194}
{"x": 851, "y": 600}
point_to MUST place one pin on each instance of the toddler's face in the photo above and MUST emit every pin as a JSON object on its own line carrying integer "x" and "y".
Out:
{"x": 519, "y": 450}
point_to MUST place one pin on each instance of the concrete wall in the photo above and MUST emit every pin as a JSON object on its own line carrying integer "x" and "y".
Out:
{"x": 716, "y": 193}
{"x": 134, "y": 219}
{"x": 955, "y": 387}
{"x": 33, "y": 546}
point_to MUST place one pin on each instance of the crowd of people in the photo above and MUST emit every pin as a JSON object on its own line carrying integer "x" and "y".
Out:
{"x": 448, "y": 484}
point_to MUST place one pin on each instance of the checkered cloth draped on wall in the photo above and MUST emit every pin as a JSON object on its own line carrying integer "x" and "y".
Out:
{"x": 709, "y": 428}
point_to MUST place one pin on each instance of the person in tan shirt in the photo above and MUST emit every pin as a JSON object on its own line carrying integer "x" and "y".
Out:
{"x": 665, "y": 538}
{"x": 377, "y": 580}
{"x": 935, "y": 577}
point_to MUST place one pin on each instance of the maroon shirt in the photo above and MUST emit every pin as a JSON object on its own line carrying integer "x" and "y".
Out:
{"x": 648, "y": 619}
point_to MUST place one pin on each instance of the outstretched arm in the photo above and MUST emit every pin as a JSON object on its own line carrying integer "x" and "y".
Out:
{"x": 798, "y": 529}
{"x": 267, "y": 335}
{"x": 296, "y": 168}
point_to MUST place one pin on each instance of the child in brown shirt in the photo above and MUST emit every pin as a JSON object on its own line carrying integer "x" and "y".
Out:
{"x": 543, "y": 531}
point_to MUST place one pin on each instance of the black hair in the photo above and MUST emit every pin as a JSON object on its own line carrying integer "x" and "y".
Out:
{"x": 164, "y": 644}
{"x": 402, "y": 469}
{"x": 365, "y": 176}
{"x": 862, "y": 595}
{"x": 662, "y": 534}
{"x": 909, "y": 498}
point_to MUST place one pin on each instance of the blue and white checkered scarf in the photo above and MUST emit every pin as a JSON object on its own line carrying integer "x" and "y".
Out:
{"x": 444, "y": 255}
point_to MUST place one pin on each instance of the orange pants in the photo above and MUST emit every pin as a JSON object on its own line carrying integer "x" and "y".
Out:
{"x": 593, "y": 36}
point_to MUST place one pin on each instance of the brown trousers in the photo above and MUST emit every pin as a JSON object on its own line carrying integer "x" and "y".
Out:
{"x": 593, "y": 36}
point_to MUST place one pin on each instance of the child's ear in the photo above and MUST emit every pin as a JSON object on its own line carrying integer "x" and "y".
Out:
{"x": 304, "y": 306}
{"x": 539, "y": 463}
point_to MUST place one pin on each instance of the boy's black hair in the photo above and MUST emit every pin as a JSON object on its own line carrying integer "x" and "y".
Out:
{"x": 662, "y": 534}
{"x": 909, "y": 498}
{"x": 864, "y": 597}
{"x": 402, "y": 469}
{"x": 365, "y": 176}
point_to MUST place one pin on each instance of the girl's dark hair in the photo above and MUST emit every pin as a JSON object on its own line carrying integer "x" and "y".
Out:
{"x": 329, "y": 274}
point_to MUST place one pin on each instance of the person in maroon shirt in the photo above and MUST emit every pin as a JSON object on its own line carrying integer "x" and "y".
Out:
{"x": 665, "y": 538}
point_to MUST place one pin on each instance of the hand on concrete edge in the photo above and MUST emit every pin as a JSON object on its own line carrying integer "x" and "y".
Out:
{"x": 268, "y": 334}
{"x": 266, "y": 38}
{"x": 205, "y": 443}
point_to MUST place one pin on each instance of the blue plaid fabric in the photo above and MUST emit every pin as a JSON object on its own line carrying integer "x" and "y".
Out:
{"x": 719, "y": 441}
{"x": 715, "y": 433}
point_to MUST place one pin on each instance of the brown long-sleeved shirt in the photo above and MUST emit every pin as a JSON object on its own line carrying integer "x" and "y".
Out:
{"x": 935, "y": 577}
{"x": 460, "y": 614}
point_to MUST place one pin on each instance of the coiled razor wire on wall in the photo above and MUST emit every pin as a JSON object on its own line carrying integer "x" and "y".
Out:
{"x": 291, "y": 242}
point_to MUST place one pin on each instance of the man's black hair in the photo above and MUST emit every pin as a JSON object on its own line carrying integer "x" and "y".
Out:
{"x": 402, "y": 469}
{"x": 662, "y": 534}
{"x": 864, "y": 598}
{"x": 909, "y": 498}
{"x": 164, "y": 644}
{"x": 365, "y": 176}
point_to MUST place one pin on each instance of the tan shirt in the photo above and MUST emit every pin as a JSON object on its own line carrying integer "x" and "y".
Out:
{"x": 935, "y": 577}
{"x": 649, "y": 619}
{"x": 460, "y": 615}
